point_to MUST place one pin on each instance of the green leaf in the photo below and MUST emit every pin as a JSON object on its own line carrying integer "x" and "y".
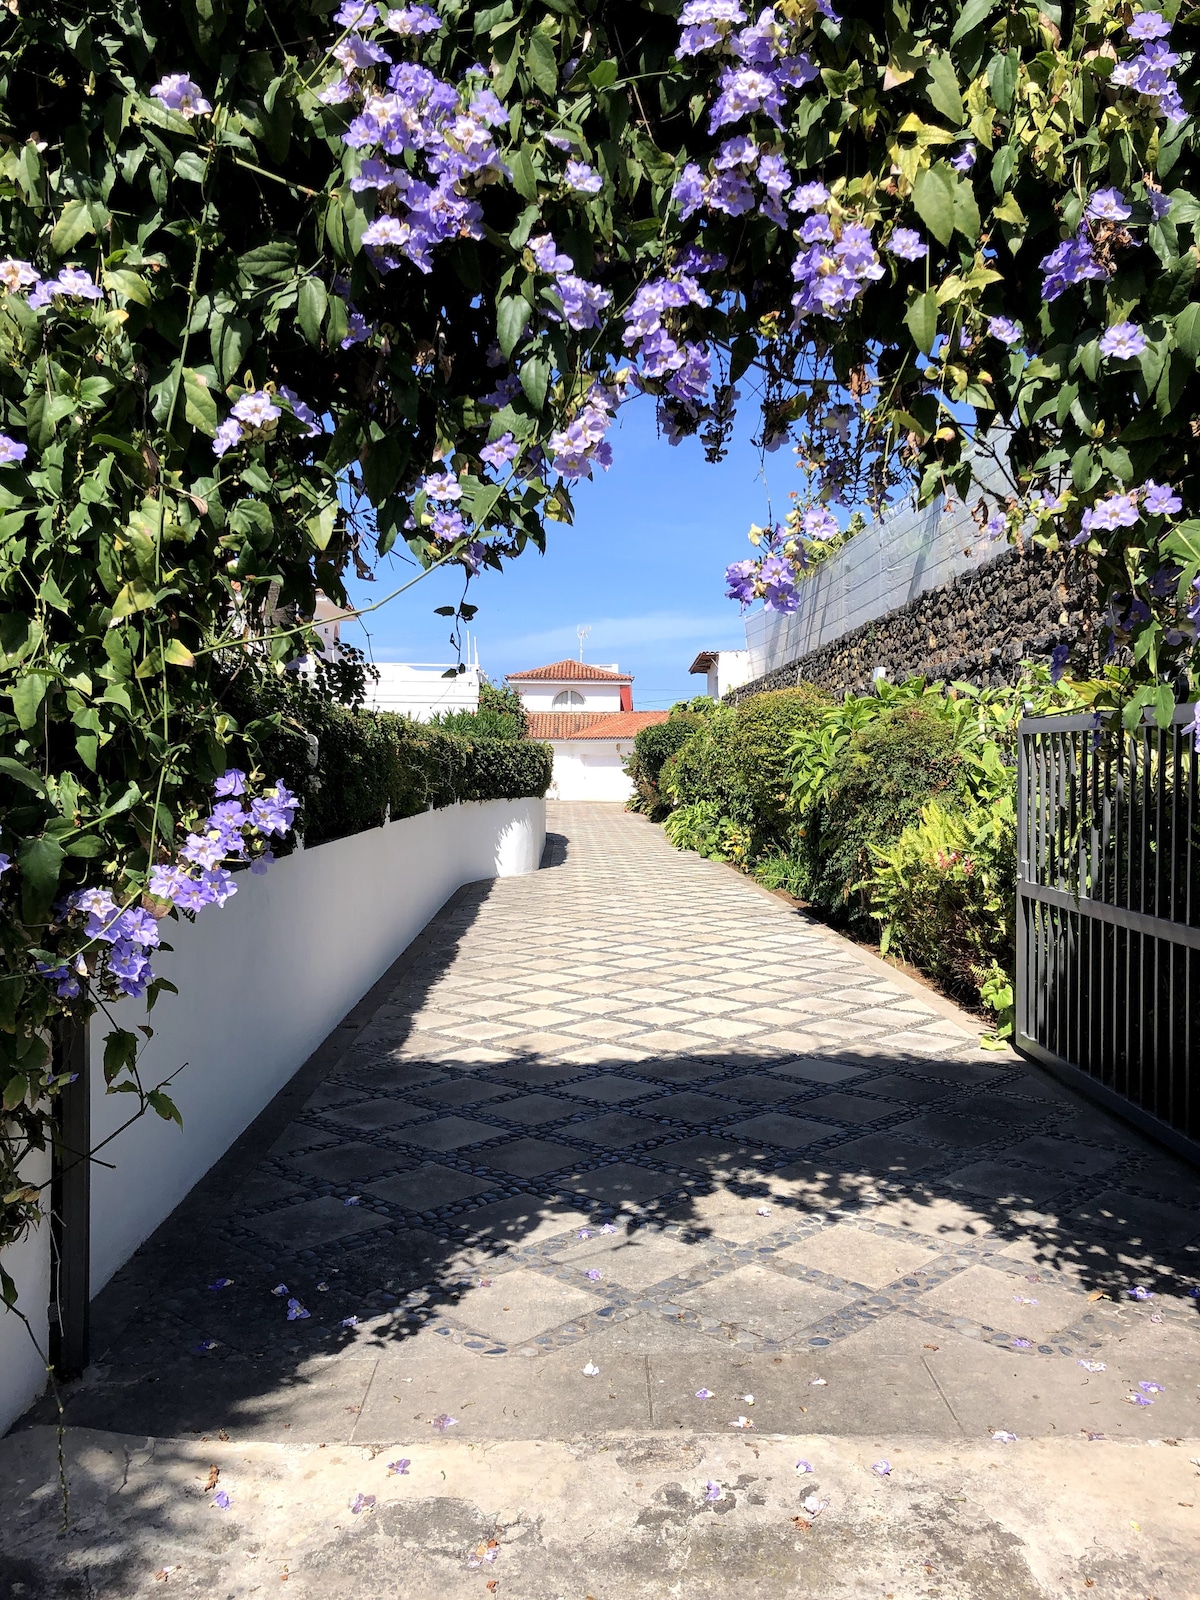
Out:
{"x": 12, "y": 987}
{"x": 1164, "y": 705}
{"x": 229, "y": 339}
{"x": 310, "y": 308}
{"x": 22, "y": 774}
{"x": 539, "y": 57}
{"x": 604, "y": 75}
{"x": 921, "y": 320}
{"x": 41, "y": 862}
{"x": 971, "y": 16}
{"x": 524, "y": 177}
{"x": 137, "y": 595}
{"x": 128, "y": 284}
{"x": 512, "y": 317}
{"x": 200, "y": 408}
{"x": 191, "y": 166}
{"x": 1184, "y": 541}
{"x": 933, "y": 197}
{"x": 942, "y": 89}
{"x": 28, "y": 692}
{"x": 74, "y": 221}
{"x": 966, "y": 210}
{"x": 1003, "y": 76}
{"x": 535, "y": 380}
{"x": 178, "y": 654}
{"x": 1187, "y": 332}
{"x": 270, "y": 263}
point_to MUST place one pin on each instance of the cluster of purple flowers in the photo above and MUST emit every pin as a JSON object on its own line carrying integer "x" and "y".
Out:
{"x": 71, "y": 283}
{"x": 768, "y": 66}
{"x": 682, "y": 366}
{"x": 1125, "y": 510}
{"x": 1149, "y": 72}
{"x": 178, "y": 93}
{"x": 1071, "y": 262}
{"x": 582, "y": 302}
{"x": 832, "y": 268}
{"x": 122, "y": 935}
{"x": 582, "y": 444}
{"x": 729, "y": 186}
{"x": 418, "y": 115}
{"x": 12, "y": 451}
{"x": 256, "y": 410}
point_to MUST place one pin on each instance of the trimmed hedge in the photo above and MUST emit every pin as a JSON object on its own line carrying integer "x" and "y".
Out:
{"x": 355, "y": 769}
{"x": 652, "y": 748}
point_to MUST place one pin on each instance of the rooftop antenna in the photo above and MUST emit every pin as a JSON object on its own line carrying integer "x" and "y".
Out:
{"x": 581, "y": 633}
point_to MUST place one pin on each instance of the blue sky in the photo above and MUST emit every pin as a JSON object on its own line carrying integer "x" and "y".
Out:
{"x": 642, "y": 565}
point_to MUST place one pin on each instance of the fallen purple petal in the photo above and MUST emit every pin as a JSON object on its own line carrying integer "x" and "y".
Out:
{"x": 1140, "y": 1292}
{"x": 804, "y": 1466}
{"x": 399, "y": 1469}
{"x": 813, "y": 1504}
{"x": 322, "y": 1288}
{"x": 591, "y": 1370}
{"x": 881, "y": 1469}
{"x": 1022, "y": 1344}
{"x": 349, "y": 1322}
{"x": 1002, "y": 1436}
{"x": 443, "y": 1422}
{"x": 1149, "y": 1387}
{"x": 819, "y": 1383}
{"x": 608, "y": 1228}
{"x": 204, "y": 1346}
{"x": 584, "y": 1233}
{"x": 296, "y": 1312}
{"x": 712, "y": 1491}
{"x": 704, "y": 1394}
{"x": 1139, "y": 1399}
{"x": 1024, "y": 1300}
{"x": 741, "y": 1422}
{"x": 763, "y": 1211}
{"x": 352, "y": 1200}
{"x": 221, "y": 1500}
{"x": 220, "y": 1283}
{"x": 280, "y": 1289}
{"x": 362, "y": 1502}
{"x": 592, "y": 1273}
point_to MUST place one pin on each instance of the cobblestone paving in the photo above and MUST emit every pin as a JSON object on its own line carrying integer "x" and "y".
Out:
{"x": 634, "y": 1114}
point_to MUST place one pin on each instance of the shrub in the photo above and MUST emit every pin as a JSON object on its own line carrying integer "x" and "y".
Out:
{"x": 703, "y": 828}
{"x": 652, "y": 748}
{"x": 892, "y": 767}
{"x": 765, "y": 729}
{"x": 501, "y": 715}
{"x": 704, "y": 770}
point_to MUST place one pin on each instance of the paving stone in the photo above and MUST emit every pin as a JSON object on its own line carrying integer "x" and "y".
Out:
{"x": 315, "y": 1222}
{"x": 763, "y": 1302}
{"x": 1063, "y": 1155}
{"x": 608, "y": 1089}
{"x": 947, "y": 1128}
{"x": 450, "y": 1133}
{"x": 1007, "y": 1303}
{"x": 885, "y": 1156}
{"x": 617, "y": 1130}
{"x": 1000, "y": 1180}
{"x": 778, "y": 1128}
{"x": 636, "y": 1263}
{"x": 683, "y": 1106}
{"x": 377, "y": 1114}
{"x": 621, "y": 1183}
{"x": 531, "y": 1110}
{"x": 519, "y": 1305}
{"x": 1136, "y": 1221}
{"x": 350, "y": 1163}
{"x": 519, "y": 1221}
{"x": 910, "y": 1091}
{"x": 537, "y": 1073}
{"x": 530, "y": 1158}
{"x": 812, "y": 1069}
{"x": 428, "y": 1187}
{"x": 464, "y": 1092}
{"x": 851, "y": 1108}
{"x": 873, "y": 1259}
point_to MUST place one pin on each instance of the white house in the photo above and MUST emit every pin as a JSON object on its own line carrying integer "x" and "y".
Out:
{"x": 413, "y": 689}
{"x": 723, "y": 670}
{"x": 585, "y": 713}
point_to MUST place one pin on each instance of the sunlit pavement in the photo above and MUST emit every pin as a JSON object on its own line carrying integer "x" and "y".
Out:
{"x": 628, "y": 1189}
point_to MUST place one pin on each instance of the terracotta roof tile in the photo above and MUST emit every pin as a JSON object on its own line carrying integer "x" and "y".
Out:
{"x": 591, "y": 724}
{"x": 568, "y": 672}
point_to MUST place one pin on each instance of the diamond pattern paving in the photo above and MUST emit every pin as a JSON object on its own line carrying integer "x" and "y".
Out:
{"x": 634, "y": 1103}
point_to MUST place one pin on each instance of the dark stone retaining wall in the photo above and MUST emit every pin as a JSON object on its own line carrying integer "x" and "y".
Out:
{"x": 977, "y": 629}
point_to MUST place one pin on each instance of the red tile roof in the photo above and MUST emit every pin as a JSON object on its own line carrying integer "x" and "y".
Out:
{"x": 591, "y": 724}
{"x": 568, "y": 672}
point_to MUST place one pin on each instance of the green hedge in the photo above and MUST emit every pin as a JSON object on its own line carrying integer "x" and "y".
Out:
{"x": 652, "y": 748}
{"x": 354, "y": 769}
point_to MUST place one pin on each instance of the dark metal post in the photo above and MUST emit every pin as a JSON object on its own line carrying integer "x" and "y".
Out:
{"x": 71, "y": 1207}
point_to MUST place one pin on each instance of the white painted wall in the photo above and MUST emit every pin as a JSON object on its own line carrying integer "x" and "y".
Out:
{"x": 596, "y": 696}
{"x": 22, "y": 1369}
{"x": 730, "y": 669}
{"x": 590, "y": 769}
{"x": 422, "y": 691}
{"x": 262, "y": 981}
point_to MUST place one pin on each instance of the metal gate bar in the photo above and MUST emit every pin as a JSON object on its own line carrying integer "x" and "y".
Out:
{"x": 1108, "y": 914}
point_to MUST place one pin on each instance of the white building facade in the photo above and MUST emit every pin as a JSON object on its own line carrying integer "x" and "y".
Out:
{"x": 723, "y": 670}
{"x": 585, "y": 713}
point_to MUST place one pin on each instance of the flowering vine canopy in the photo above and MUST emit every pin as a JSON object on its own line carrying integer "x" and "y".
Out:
{"x": 289, "y": 285}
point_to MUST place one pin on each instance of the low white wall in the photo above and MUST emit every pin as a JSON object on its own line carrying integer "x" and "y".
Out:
{"x": 262, "y": 981}
{"x": 22, "y": 1368}
{"x": 590, "y": 769}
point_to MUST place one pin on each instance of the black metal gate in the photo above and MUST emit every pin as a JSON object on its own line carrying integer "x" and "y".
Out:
{"x": 1108, "y": 915}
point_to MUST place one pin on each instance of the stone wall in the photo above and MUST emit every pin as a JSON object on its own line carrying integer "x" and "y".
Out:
{"x": 976, "y": 629}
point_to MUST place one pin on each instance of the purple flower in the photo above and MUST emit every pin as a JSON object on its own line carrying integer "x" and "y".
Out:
{"x": 71, "y": 284}
{"x": 1022, "y": 1344}
{"x": 1071, "y": 262}
{"x": 819, "y": 523}
{"x": 1123, "y": 340}
{"x": 1159, "y": 499}
{"x": 809, "y": 196}
{"x": 361, "y": 1502}
{"x": 1147, "y": 1386}
{"x": 1108, "y": 205}
{"x": 582, "y": 302}
{"x": 1140, "y": 1292}
{"x": 302, "y": 411}
{"x": 712, "y": 1492}
{"x": 583, "y": 179}
{"x": 1158, "y": 202}
{"x": 964, "y": 160}
{"x": 779, "y": 585}
{"x": 443, "y": 1422}
{"x": 295, "y": 1311}
{"x": 12, "y": 452}
{"x": 16, "y": 275}
{"x": 803, "y": 1467}
{"x": 447, "y": 525}
{"x": 279, "y": 1290}
{"x": 1149, "y": 25}
{"x": 274, "y": 813}
{"x": 1007, "y": 331}
{"x": 178, "y": 93}
{"x": 442, "y": 486}
{"x": 355, "y": 54}
{"x": 704, "y": 1394}
{"x": 232, "y": 781}
{"x": 739, "y": 581}
{"x": 1139, "y": 1399}
{"x": 688, "y": 192}
{"x": 205, "y": 1345}
{"x": 5, "y": 863}
{"x": 220, "y": 1283}
{"x": 352, "y": 1200}
{"x": 1093, "y": 1366}
{"x": 228, "y": 434}
{"x": 592, "y": 1274}
{"x": 745, "y": 91}
{"x": 399, "y": 1469}
{"x": 221, "y": 1500}
{"x": 501, "y": 451}
{"x": 1059, "y": 657}
{"x": 546, "y": 255}
{"x": 907, "y": 244}
{"x": 881, "y": 1469}
{"x": 358, "y": 330}
{"x": 355, "y": 14}
{"x": 255, "y": 409}
{"x": 410, "y": 21}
